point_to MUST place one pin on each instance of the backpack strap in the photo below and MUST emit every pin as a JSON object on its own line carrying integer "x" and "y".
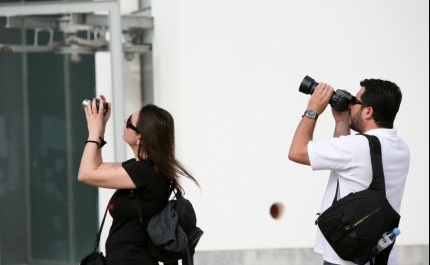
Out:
{"x": 378, "y": 178}
{"x": 136, "y": 205}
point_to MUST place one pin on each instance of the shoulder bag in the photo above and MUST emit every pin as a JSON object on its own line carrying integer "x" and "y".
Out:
{"x": 354, "y": 224}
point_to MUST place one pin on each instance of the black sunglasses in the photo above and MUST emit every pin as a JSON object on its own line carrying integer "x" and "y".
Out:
{"x": 131, "y": 126}
{"x": 357, "y": 101}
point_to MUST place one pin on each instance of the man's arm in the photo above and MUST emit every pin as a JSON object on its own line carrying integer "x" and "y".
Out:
{"x": 299, "y": 147}
{"x": 304, "y": 133}
{"x": 341, "y": 119}
{"x": 341, "y": 129}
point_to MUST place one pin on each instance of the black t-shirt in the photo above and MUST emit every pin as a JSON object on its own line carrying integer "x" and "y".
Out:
{"x": 126, "y": 242}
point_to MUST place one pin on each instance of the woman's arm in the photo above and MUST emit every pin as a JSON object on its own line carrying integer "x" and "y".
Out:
{"x": 105, "y": 177}
{"x": 92, "y": 170}
{"x": 110, "y": 165}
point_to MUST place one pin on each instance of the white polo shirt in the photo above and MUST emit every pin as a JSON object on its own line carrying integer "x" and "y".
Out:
{"x": 348, "y": 158}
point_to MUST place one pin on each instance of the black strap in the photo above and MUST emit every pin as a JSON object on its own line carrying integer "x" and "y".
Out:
{"x": 378, "y": 179}
{"x": 96, "y": 244}
{"x": 337, "y": 190}
{"x": 136, "y": 205}
{"x": 91, "y": 141}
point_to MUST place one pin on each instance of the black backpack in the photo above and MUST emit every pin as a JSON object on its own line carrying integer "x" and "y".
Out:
{"x": 354, "y": 224}
{"x": 173, "y": 233}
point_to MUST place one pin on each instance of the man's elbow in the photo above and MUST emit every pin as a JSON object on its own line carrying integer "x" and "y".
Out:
{"x": 299, "y": 157}
{"x": 293, "y": 156}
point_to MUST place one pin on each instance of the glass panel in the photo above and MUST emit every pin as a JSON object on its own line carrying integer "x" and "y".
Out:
{"x": 42, "y": 205}
{"x": 13, "y": 214}
{"x": 49, "y": 204}
{"x": 85, "y": 198}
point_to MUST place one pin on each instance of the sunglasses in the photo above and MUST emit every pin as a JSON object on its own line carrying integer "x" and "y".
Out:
{"x": 128, "y": 125}
{"x": 359, "y": 102}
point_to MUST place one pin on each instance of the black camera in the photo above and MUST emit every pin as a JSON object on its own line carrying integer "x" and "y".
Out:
{"x": 340, "y": 99}
{"x": 87, "y": 102}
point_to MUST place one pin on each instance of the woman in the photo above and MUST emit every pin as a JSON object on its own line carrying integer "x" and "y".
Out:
{"x": 150, "y": 134}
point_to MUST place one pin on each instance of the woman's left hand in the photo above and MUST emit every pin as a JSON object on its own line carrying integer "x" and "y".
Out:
{"x": 95, "y": 120}
{"x": 108, "y": 112}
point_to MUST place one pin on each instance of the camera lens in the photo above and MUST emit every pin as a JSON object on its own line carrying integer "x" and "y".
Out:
{"x": 308, "y": 85}
{"x": 87, "y": 102}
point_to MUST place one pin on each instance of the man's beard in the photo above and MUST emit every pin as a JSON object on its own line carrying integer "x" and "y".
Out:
{"x": 356, "y": 122}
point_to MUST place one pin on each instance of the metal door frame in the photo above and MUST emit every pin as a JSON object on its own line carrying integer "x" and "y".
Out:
{"x": 114, "y": 18}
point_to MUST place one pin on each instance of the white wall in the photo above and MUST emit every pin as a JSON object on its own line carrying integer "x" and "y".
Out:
{"x": 229, "y": 72}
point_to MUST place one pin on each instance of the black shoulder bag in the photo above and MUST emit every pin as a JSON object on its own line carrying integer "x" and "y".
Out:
{"x": 354, "y": 224}
{"x": 96, "y": 257}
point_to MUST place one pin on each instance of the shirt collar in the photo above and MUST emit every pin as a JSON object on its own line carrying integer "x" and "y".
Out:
{"x": 388, "y": 132}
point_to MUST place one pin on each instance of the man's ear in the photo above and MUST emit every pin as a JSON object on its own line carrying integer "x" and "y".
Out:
{"x": 368, "y": 113}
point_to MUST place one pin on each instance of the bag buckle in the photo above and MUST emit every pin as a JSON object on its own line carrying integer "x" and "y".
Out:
{"x": 348, "y": 229}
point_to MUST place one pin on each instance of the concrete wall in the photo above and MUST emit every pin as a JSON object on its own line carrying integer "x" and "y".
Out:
{"x": 229, "y": 73}
{"x": 408, "y": 255}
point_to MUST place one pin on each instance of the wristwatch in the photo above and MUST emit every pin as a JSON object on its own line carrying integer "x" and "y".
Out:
{"x": 311, "y": 114}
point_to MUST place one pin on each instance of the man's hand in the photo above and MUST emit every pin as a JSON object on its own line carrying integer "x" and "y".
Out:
{"x": 341, "y": 119}
{"x": 341, "y": 116}
{"x": 320, "y": 98}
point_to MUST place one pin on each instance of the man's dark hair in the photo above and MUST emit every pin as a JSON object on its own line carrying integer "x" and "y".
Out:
{"x": 384, "y": 97}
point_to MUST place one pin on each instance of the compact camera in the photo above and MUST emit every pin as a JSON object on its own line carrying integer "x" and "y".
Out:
{"x": 87, "y": 102}
{"x": 340, "y": 99}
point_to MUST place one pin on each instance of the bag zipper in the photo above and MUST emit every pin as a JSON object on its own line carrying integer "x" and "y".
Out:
{"x": 364, "y": 218}
{"x": 320, "y": 215}
{"x": 349, "y": 228}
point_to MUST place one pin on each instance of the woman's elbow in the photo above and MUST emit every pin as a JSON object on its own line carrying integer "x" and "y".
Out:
{"x": 81, "y": 177}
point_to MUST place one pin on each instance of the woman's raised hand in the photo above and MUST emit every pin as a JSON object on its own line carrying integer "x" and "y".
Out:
{"x": 109, "y": 108}
{"x": 95, "y": 120}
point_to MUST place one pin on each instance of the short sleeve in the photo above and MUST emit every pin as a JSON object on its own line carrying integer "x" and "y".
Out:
{"x": 140, "y": 172}
{"x": 128, "y": 161}
{"x": 331, "y": 154}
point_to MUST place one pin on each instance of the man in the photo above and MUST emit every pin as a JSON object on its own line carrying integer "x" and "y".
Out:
{"x": 372, "y": 112}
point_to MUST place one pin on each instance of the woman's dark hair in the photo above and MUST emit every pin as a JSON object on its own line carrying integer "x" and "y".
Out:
{"x": 157, "y": 142}
{"x": 385, "y": 98}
